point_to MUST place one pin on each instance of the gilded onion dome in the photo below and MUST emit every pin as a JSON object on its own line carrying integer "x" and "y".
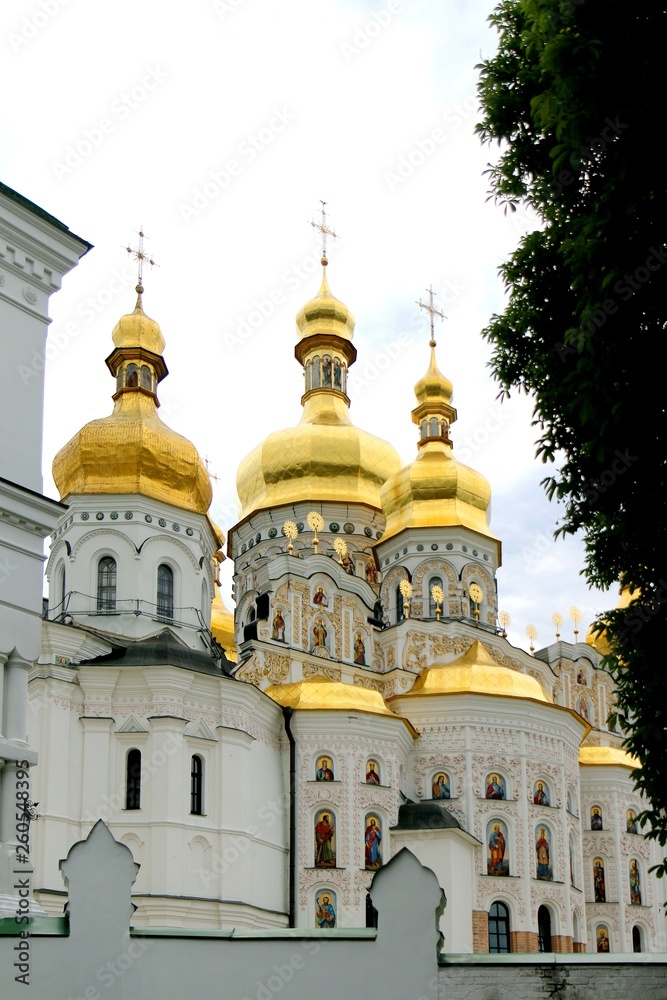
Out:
{"x": 325, "y": 457}
{"x": 132, "y": 450}
{"x": 321, "y": 694}
{"x": 476, "y": 672}
{"x": 435, "y": 490}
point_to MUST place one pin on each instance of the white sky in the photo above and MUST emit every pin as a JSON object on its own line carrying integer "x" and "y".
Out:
{"x": 121, "y": 111}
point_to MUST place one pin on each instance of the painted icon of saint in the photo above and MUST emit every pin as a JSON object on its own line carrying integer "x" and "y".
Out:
{"x": 495, "y": 787}
{"x": 596, "y": 818}
{"x": 543, "y": 852}
{"x": 373, "y": 839}
{"x": 326, "y": 371}
{"x": 326, "y": 912}
{"x": 599, "y": 889}
{"x": 440, "y": 786}
{"x": 320, "y": 598}
{"x": 583, "y": 709}
{"x": 325, "y": 842}
{"x": 359, "y": 649}
{"x": 347, "y": 562}
{"x": 324, "y": 770}
{"x": 630, "y": 822}
{"x": 371, "y": 572}
{"x": 278, "y": 630}
{"x": 496, "y": 863}
{"x": 635, "y": 883}
{"x": 319, "y": 633}
{"x": 372, "y": 773}
{"x": 337, "y": 381}
{"x": 541, "y": 796}
{"x": 602, "y": 939}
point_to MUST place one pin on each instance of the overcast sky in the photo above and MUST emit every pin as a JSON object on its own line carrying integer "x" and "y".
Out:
{"x": 219, "y": 125}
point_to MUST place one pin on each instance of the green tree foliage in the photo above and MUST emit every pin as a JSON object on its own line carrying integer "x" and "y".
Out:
{"x": 574, "y": 100}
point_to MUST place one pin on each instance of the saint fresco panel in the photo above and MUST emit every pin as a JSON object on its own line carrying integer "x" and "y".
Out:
{"x": 325, "y": 839}
{"x": 602, "y": 938}
{"x": 635, "y": 883}
{"x": 630, "y": 822}
{"x": 599, "y": 888}
{"x": 372, "y": 772}
{"x": 596, "y": 818}
{"x": 440, "y": 787}
{"x": 495, "y": 786}
{"x": 541, "y": 794}
{"x": 497, "y": 860}
{"x": 325, "y": 908}
{"x": 373, "y": 841}
{"x": 544, "y": 868}
{"x": 324, "y": 770}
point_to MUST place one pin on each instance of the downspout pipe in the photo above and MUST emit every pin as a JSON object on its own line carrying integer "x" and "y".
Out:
{"x": 287, "y": 712}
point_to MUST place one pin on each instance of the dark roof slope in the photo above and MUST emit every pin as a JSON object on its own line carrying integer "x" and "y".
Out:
{"x": 425, "y": 816}
{"x": 163, "y": 649}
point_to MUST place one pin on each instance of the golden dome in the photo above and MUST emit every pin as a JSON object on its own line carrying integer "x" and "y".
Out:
{"x": 222, "y": 625}
{"x": 433, "y": 385}
{"x": 132, "y": 450}
{"x": 607, "y": 755}
{"x": 325, "y": 457}
{"x": 476, "y": 672}
{"x": 320, "y": 694}
{"x": 325, "y": 314}
{"x": 136, "y": 329}
{"x": 435, "y": 490}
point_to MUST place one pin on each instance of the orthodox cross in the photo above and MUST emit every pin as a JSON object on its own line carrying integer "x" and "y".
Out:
{"x": 140, "y": 255}
{"x": 324, "y": 229}
{"x": 430, "y": 308}
{"x": 211, "y": 475}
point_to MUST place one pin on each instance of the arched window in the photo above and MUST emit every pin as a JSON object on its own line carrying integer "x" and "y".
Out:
{"x": 637, "y": 944}
{"x": 251, "y": 614}
{"x": 146, "y": 378}
{"x": 308, "y": 372}
{"x": 62, "y": 587}
{"x": 106, "y": 584}
{"x": 337, "y": 383}
{"x": 543, "y": 929}
{"x": 435, "y": 581}
{"x": 316, "y": 372}
{"x": 434, "y": 427}
{"x": 499, "y": 929}
{"x": 197, "y": 785}
{"x": 326, "y": 371}
{"x": 423, "y": 429}
{"x": 132, "y": 376}
{"x": 133, "y": 780}
{"x": 165, "y": 591}
{"x": 399, "y": 605}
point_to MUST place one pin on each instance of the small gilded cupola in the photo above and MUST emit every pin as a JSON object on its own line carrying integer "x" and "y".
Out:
{"x": 132, "y": 451}
{"x": 325, "y": 458}
{"x": 136, "y": 361}
{"x": 436, "y": 491}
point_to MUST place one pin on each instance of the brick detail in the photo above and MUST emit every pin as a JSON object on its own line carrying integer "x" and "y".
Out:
{"x": 578, "y": 947}
{"x": 523, "y": 942}
{"x": 480, "y": 931}
{"x": 561, "y": 942}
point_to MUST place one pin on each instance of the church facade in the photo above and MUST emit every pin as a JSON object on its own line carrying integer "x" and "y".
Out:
{"x": 363, "y": 697}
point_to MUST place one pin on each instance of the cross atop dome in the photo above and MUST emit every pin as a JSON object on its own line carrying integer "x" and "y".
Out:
{"x": 324, "y": 229}
{"x": 430, "y": 308}
{"x": 140, "y": 255}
